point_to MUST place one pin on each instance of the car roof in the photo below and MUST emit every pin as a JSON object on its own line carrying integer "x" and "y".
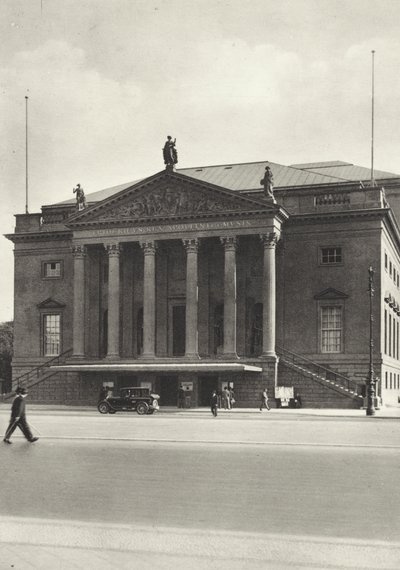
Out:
{"x": 135, "y": 388}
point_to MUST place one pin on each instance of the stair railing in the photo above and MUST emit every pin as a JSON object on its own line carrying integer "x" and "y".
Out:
{"x": 318, "y": 369}
{"x": 33, "y": 376}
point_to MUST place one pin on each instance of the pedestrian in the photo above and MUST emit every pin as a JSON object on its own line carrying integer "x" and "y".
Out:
{"x": 18, "y": 418}
{"x": 226, "y": 399}
{"x": 214, "y": 404}
{"x": 181, "y": 397}
{"x": 103, "y": 394}
{"x": 232, "y": 399}
{"x": 297, "y": 401}
{"x": 264, "y": 400}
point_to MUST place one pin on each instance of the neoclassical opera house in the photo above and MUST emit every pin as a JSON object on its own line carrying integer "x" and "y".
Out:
{"x": 253, "y": 275}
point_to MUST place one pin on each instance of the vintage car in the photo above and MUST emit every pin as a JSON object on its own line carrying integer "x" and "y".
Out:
{"x": 135, "y": 399}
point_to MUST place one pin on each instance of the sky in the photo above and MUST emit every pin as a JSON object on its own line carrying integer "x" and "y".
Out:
{"x": 234, "y": 81}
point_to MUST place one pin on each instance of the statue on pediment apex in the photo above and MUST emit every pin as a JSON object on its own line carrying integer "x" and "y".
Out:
{"x": 80, "y": 197}
{"x": 170, "y": 154}
{"x": 268, "y": 183}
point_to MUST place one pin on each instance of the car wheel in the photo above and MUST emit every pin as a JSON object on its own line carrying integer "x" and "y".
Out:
{"x": 103, "y": 408}
{"x": 142, "y": 408}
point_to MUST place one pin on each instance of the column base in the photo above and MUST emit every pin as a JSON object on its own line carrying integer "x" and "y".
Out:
{"x": 77, "y": 356}
{"x": 192, "y": 356}
{"x": 148, "y": 356}
{"x": 268, "y": 354}
{"x": 112, "y": 357}
{"x": 229, "y": 355}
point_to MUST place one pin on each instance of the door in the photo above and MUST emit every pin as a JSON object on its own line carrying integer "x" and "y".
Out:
{"x": 168, "y": 390}
{"x": 206, "y": 386}
{"x": 178, "y": 330}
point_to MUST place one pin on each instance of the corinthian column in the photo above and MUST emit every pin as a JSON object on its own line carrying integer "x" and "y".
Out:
{"x": 78, "y": 335}
{"x": 113, "y": 251}
{"x": 229, "y": 244}
{"x": 269, "y": 294}
{"x": 191, "y": 347}
{"x": 149, "y": 300}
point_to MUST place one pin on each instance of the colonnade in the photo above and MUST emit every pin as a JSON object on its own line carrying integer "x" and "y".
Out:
{"x": 191, "y": 246}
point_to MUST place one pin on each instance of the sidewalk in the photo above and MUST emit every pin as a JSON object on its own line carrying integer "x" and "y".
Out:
{"x": 48, "y": 544}
{"x": 384, "y": 412}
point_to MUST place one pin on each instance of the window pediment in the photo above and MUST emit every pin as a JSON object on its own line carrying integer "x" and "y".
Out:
{"x": 330, "y": 293}
{"x": 50, "y": 304}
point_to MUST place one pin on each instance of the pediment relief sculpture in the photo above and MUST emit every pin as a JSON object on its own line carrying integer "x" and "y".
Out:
{"x": 172, "y": 202}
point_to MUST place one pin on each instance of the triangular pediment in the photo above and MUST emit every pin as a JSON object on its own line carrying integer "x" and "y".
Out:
{"x": 50, "y": 304}
{"x": 330, "y": 293}
{"x": 169, "y": 195}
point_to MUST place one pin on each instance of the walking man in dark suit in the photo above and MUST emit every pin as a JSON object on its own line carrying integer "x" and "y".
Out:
{"x": 18, "y": 418}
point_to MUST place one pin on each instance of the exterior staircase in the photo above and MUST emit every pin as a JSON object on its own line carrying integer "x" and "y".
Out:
{"x": 37, "y": 375}
{"x": 306, "y": 370}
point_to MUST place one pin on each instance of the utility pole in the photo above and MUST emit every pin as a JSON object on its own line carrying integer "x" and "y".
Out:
{"x": 371, "y": 374}
{"x": 26, "y": 155}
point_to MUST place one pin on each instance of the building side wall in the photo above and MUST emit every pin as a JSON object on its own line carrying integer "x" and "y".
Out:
{"x": 31, "y": 289}
{"x": 302, "y": 277}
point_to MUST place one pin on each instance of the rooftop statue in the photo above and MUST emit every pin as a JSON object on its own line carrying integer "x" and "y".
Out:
{"x": 80, "y": 197}
{"x": 170, "y": 153}
{"x": 268, "y": 183}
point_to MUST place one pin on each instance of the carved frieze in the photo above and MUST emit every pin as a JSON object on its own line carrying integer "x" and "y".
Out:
{"x": 170, "y": 202}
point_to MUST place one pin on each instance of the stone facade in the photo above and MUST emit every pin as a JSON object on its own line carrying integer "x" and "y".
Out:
{"x": 174, "y": 280}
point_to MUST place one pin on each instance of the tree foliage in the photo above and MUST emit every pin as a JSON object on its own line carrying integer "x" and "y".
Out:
{"x": 6, "y": 352}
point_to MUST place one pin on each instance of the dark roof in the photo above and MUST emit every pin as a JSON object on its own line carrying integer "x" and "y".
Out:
{"x": 247, "y": 176}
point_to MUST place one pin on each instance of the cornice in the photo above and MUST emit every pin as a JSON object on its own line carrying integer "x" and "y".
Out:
{"x": 343, "y": 214}
{"x": 167, "y": 219}
{"x": 24, "y": 237}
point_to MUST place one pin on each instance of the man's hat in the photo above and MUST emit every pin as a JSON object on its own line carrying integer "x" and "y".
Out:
{"x": 22, "y": 391}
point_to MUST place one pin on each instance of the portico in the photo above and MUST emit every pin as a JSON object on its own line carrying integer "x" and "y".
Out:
{"x": 177, "y": 289}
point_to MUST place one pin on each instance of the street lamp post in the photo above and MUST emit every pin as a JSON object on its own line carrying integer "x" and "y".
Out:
{"x": 371, "y": 374}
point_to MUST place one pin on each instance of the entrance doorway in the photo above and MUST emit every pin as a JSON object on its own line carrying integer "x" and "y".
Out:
{"x": 206, "y": 386}
{"x": 168, "y": 390}
{"x": 178, "y": 330}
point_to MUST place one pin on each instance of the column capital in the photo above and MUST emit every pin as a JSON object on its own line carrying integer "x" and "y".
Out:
{"x": 149, "y": 247}
{"x": 269, "y": 240}
{"x": 229, "y": 242}
{"x": 191, "y": 244}
{"x": 113, "y": 249}
{"x": 79, "y": 251}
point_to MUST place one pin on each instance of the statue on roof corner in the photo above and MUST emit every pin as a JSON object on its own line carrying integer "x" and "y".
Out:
{"x": 170, "y": 153}
{"x": 80, "y": 197}
{"x": 268, "y": 183}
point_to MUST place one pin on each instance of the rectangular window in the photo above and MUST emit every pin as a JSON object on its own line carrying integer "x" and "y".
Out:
{"x": 394, "y": 274}
{"x": 331, "y": 255}
{"x": 390, "y": 268}
{"x": 51, "y": 335}
{"x": 386, "y": 384}
{"x": 385, "y": 349}
{"x": 331, "y": 329}
{"x": 386, "y": 261}
{"x": 390, "y": 334}
{"x": 390, "y": 376}
{"x": 52, "y": 269}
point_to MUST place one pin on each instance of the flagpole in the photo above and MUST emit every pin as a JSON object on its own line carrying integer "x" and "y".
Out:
{"x": 26, "y": 155}
{"x": 372, "y": 118}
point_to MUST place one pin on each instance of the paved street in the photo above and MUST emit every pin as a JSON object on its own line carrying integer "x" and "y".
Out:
{"x": 284, "y": 489}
